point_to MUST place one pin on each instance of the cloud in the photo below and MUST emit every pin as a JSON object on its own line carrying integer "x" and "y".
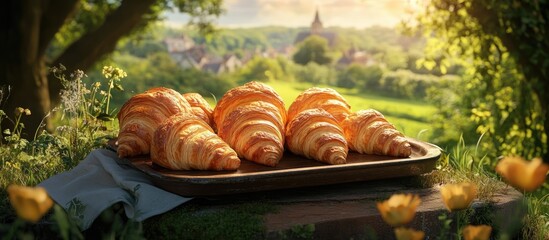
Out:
{"x": 300, "y": 13}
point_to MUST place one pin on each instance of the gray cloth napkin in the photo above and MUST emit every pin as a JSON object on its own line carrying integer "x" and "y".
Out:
{"x": 101, "y": 180}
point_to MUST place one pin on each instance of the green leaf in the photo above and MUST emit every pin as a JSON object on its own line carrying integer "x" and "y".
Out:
{"x": 429, "y": 64}
{"x": 118, "y": 87}
{"x": 105, "y": 117}
{"x": 443, "y": 69}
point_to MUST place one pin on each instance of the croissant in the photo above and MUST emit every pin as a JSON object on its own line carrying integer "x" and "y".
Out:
{"x": 315, "y": 133}
{"x": 325, "y": 98}
{"x": 251, "y": 119}
{"x": 140, "y": 116}
{"x": 185, "y": 142}
{"x": 367, "y": 131}
{"x": 200, "y": 107}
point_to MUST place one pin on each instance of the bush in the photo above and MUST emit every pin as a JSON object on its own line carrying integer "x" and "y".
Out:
{"x": 365, "y": 78}
{"x": 315, "y": 73}
{"x": 160, "y": 70}
{"x": 261, "y": 69}
{"x": 406, "y": 84}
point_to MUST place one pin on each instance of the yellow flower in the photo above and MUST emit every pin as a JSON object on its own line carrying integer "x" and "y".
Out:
{"x": 480, "y": 232}
{"x": 399, "y": 209}
{"x": 458, "y": 196}
{"x": 30, "y": 203}
{"x": 18, "y": 111}
{"x": 408, "y": 234}
{"x": 524, "y": 175}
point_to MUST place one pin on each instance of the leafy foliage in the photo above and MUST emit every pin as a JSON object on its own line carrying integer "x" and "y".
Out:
{"x": 83, "y": 127}
{"x": 502, "y": 90}
{"x": 313, "y": 49}
{"x": 158, "y": 69}
{"x": 502, "y": 46}
{"x": 315, "y": 73}
{"x": 261, "y": 69}
{"x": 365, "y": 78}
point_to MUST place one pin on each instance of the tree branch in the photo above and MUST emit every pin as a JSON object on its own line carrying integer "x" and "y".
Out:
{"x": 54, "y": 15}
{"x": 84, "y": 52}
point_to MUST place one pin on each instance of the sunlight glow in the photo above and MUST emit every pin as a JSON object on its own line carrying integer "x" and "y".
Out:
{"x": 299, "y": 13}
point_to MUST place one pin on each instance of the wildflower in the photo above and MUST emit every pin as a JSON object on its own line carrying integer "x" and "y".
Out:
{"x": 78, "y": 74}
{"x": 408, "y": 234}
{"x": 107, "y": 71}
{"x": 27, "y": 111}
{"x": 399, "y": 209}
{"x": 71, "y": 96}
{"x": 97, "y": 84}
{"x": 458, "y": 196}
{"x": 114, "y": 73}
{"x": 19, "y": 111}
{"x": 524, "y": 175}
{"x": 30, "y": 203}
{"x": 480, "y": 232}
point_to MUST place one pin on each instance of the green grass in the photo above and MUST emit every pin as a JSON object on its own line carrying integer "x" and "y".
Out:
{"x": 195, "y": 221}
{"x": 409, "y": 116}
{"x": 28, "y": 163}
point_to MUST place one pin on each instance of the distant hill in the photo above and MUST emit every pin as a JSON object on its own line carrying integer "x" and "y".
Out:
{"x": 239, "y": 40}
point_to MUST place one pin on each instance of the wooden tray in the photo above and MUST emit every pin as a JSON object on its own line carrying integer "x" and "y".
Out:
{"x": 292, "y": 171}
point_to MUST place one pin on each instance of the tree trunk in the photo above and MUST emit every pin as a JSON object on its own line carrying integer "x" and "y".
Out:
{"x": 29, "y": 89}
{"x": 23, "y": 68}
{"x": 29, "y": 26}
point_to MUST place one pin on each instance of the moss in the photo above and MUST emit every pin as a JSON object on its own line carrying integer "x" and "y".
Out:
{"x": 193, "y": 221}
{"x": 306, "y": 231}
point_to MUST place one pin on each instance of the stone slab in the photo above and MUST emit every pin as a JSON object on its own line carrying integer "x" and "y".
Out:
{"x": 348, "y": 211}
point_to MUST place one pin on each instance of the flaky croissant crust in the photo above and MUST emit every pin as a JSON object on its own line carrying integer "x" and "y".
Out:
{"x": 249, "y": 92}
{"x": 185, "y": 142}
{"x": 255, "y": 131}
{"x": 141, "y": 115}
{"x": 368, "y": 131}
{"x": 200, "y": 107}
{"x": 316, "y": 134}
{"x": 252, "y": 118}
{"x": 167, "y": 101}
{"x": 324, "y": 98}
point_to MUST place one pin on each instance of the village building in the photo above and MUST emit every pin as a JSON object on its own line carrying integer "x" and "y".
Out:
{"x": 317, "y": 29}
{"x": 356, "y": 56}
{"x": 187, "y": 55}
{"x": 228, "y": 63}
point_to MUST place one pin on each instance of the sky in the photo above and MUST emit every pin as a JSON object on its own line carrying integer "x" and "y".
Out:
{"x": 300, "y": 13}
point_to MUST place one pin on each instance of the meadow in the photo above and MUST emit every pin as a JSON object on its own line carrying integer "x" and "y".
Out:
{"x": 28, "y": 162}
{"x": 411, "y": 117}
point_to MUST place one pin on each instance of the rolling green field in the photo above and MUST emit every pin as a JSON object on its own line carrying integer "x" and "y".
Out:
{"x": 410, "y": 117}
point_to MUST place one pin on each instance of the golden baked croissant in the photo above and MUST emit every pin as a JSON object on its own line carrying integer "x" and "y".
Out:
{"x": 185, "y": 142}
{"x": 315, "y": 133}
{"x": 200, "y": 107}
{"x": 325, "y": 98}
{"x": 367, "y": 131}
{"x": 140, "y": 116}
{"x": 251, "y": 119}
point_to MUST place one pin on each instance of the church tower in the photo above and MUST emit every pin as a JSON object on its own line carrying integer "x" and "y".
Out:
{"x": 316, "y": 26}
